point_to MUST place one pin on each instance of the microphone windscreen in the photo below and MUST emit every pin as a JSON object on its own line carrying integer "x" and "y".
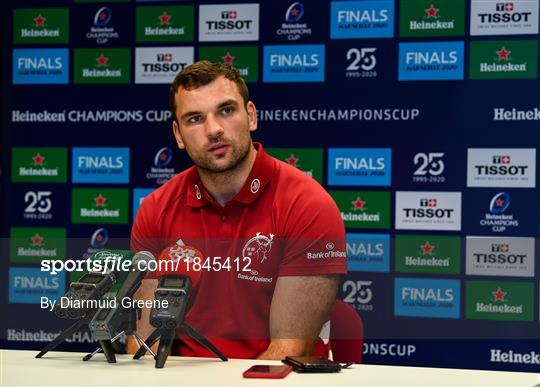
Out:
{"x": 179, "y": 260}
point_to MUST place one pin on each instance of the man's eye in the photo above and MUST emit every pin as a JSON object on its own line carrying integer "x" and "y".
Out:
{"x": 227, "y": 110}
{"x": 194, "y": 119}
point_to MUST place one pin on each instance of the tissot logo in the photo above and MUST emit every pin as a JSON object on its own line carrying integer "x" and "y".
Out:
{"x": 362, "y": 19}
{"x": 159, "y": 65}
{"x": 229, "y": 22}
{"x": 500, "y": 256}
{"x": 494, "y": 17}
{"x": 501, "y": 167}
{"x": 431, "y": 61}
{"x": 40, "y": 66}
{"x": 428, "y": 210}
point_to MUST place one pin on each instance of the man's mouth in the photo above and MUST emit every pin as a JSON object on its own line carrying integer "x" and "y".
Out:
{"x": 218, "y": 148}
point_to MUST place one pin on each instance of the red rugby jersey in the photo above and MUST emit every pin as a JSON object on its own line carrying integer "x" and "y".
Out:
{"x": 281, "y": 223}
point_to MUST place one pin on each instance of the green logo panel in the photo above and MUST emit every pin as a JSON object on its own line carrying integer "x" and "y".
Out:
{"x": 419, "y": 18}
{"x": 427, "y": 254}
{"x": 40, "y": 25}
{"x": 102, "y": 66}
{"x": 39, "y": 165}
{"x": 511, "y": 59}
{"x": 165, "y": 24}
{"x": 31, "y": 245}
{"x": 99, "y": 206}
{"x": 308, "y": 160}
{"x": 363, "y": 209}
{"x": 243, "y": 58}
{"x": 499, "y": 300}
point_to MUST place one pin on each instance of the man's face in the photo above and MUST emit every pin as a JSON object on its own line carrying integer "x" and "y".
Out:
{"x": 214, "y": 125}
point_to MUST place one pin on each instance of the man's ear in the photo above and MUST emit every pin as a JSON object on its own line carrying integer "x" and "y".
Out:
{"x": 252, "y": 115}
{"x": 177, "y": 135}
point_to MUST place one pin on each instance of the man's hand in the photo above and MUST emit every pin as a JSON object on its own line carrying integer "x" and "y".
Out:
{"x": 144, "y": 329}
{"x": 300, "y": 306}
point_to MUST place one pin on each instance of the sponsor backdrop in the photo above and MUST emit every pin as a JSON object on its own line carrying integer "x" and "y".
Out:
{"x": 420, "y": 117}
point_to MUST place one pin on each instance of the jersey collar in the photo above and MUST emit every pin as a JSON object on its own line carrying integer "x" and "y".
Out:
{"x": 260, "y": 175}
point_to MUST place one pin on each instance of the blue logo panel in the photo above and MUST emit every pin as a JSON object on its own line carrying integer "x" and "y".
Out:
{"x": 359, "y": 166}
{"x": 100, "y": 165}
{"x": 28, "y": 285}
{"x": 368, "y": 252}
{"x": 431, "y": 61}
{"x": 40, "y": 66}
{"x": 362, "y": 19}
{"x": 138, "y": 197}
{"x": 438, "y": 298}
{"x": 300, "y": 63}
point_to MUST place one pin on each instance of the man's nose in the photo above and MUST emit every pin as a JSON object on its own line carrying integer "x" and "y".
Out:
{"x": 213, "y": 127}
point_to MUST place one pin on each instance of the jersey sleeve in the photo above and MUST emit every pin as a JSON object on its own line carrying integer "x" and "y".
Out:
{"x": 314, "y": 240}
{"x": 145, "y": 230}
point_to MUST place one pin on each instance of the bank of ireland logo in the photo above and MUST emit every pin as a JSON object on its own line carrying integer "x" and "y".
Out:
{"x": 258, "y": 247}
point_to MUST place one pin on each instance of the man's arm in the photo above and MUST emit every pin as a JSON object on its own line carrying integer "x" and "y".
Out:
{"x": 144, "y": 329}
{"x": 300, "y": 306}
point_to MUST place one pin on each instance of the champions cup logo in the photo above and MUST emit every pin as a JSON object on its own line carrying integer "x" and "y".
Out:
{"x": 257, "y": 247}
{"x": 163, "y": 157}
{"x": 103, "y": 17}
{"x": 499, "y": 203}
{"x": 294, "y": 12}
{"x": 99, "y": 238}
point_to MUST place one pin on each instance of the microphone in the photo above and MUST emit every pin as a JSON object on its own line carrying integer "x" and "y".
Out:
{"x": 137, "y": 272}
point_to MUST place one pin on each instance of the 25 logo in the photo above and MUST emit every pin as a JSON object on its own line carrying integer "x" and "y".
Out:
{"x": 429, "y": 167}
{"x": 362, "y": 62}
{"x": 358, "y": 293}
{"x": 38, "y": 202}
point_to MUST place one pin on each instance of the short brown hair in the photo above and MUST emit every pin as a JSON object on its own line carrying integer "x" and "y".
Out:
{"x": 202, "y": 73}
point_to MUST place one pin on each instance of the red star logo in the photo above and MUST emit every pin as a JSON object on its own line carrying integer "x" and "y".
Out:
{"x": 99, "y": 238}
{"x": 499, "y": 202}
{"x": 228, "y": 58}
{"x": 38, "y": 159}
{"x": 164, "y": 19}
{"x": 163, "y": 156}
{"x": 504, "y": 248}
{"x": 509, "y": 6}
{"x": 504, "y": 54}
{"x": 427, "y": 248}
{"x": 358, "y": 204}
{"x": 102, "y": 16}
{"x": 100, "y": 200}
{"x": 37, "y": 240}
{"x": 499, "y": 295}
{"x": 432, "y": 12}
{"x": 39, "y": 21}
{"x": 432, "y": 202}
{"x": 294, "y": 11}
{"x": 505, "y": 159}
{"x": 292, "y": 160}
{"x": 102, "y": 61}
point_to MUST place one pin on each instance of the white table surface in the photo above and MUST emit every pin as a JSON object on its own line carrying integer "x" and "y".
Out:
{"x": 18, "y": 367}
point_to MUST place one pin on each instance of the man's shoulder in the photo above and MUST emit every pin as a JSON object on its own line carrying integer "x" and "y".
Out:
{"x": 292, "y": 183}
{"x": 172, "y": 190}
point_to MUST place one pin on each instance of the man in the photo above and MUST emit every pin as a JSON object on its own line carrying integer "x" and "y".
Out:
{"x": 238, "y": 202}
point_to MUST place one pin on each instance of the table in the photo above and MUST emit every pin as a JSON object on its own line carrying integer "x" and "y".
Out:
{"x": 19, "y": 367}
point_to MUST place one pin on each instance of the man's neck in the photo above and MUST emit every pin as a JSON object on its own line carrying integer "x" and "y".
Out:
{"x": 223, "y": 186}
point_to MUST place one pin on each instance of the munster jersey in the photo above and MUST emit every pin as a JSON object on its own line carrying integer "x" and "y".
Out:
{"x": 281, "y": 223}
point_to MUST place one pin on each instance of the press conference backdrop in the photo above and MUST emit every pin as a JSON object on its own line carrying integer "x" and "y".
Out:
{"x": 420, "y": 117}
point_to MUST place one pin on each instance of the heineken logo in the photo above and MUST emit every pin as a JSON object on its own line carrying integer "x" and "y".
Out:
{"x": 165, "y": 27}
{"x": 292, "y": 160}
{"x": 440, "y": 18}
{"x": 432, "y": 12}
{"x": 100, "y": 200}
{"x": 37, "y": 240}
{"x": 504, "y": 59}
{"x": 40, "y": 25}
{"x": 427, "y": 249}
{"x": 164, "y": 19}
{"x": 102, "y": 65}
{"x": 102, "y": 61}
{"x": 100, "y": 205}
{"x": 358, "y": 204}
{"x": 38, "y": 160}
{"x": 32, "y": 245}
{"x": 39, "y": 21}
{"x": 359, "y": 212}
{"x": 500, "y": 304}
{"x": 427, "y": 254}
{"x": 499, "y": 295}
{"x": 40, "y": 30}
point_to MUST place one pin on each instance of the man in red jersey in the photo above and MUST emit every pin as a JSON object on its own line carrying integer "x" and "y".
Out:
{"x": 276, "y": 233}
